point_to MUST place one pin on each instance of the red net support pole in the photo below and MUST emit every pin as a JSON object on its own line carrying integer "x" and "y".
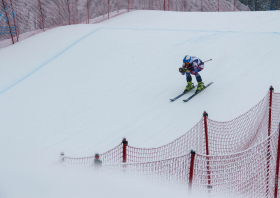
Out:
{"x": 268, "y": 143}
{"x": 270, "y": 105}
{"x": 58, "y": 12}
{"x": 125, "y": 143}
{"x": 191, "y": 170}
{"x": 87, "y": 12}
{"x": 168, "y": 5}
{"x": 69, "y": 11}
{"x": 277, "y": 166}
{"x": 4, "y": 6}
{"x": 74, "y": 5}
{"x": 108, "y": 8}
{"x": 15, "y": 20}
{"x": 41, "y": 12}
{"x": 205, "y": 115}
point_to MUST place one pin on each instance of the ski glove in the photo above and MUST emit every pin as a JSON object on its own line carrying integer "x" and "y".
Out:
{"x": 183, "y": 70}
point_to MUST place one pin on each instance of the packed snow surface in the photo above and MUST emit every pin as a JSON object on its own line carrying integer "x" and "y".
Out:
{"x": 80, "y": 89}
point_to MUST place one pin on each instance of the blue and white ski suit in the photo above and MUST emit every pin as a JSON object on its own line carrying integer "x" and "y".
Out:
{"x": 196, "y": 65}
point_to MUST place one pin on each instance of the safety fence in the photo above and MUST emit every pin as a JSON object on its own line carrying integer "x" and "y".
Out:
{"x": 240, "y": 156}
{"x": 20, "y": 19}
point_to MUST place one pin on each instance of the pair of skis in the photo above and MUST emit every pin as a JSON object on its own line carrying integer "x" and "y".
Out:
{"x": 189, "y": 98}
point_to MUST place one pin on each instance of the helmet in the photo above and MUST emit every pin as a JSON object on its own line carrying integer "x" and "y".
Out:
{"x": 96, "y": 156}
{"x": 187, "y": 59}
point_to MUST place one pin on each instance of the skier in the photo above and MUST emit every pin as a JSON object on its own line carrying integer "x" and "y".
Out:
{"x": 192, "y": 65}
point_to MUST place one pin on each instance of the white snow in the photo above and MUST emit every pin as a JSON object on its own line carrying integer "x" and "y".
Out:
{"x": 80, "y": 89}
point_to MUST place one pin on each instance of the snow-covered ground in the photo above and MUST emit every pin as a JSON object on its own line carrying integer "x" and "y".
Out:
{"x": 82, "y": 88}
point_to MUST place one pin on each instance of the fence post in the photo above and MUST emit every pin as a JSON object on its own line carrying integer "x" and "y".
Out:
{"x": 61, "y": 157}
{"x": 168, "y": 5}
{"x": 8, "y": 21}
{"x": 42, "y": 18}
{"x": 108, "y": 8}
{"x": 271, "y": 89}
{"x": 58, "y": 12}
{"x": 268, "y": 143}
{"x": 277, "y": 165}
{"x": 125, "y": 143}
{"x": 69, "y": 12}
{"x": 15, "y": 20}
{"x": 205, "y": 115}
{"x": 191, "y": 169}
{"x": 87, "y": 12}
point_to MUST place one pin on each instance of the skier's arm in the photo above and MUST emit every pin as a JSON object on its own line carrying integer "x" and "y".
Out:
{"x": 183, "y": 70}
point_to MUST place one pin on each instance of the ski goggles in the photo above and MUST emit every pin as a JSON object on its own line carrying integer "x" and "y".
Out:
{"x": 187, "y": 64}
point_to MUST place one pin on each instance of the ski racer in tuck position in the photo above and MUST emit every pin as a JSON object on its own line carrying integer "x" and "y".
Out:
{"x": 192, "y": 65}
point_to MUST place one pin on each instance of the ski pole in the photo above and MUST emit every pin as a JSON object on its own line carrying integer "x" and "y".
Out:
{"x": 207, "y": 60}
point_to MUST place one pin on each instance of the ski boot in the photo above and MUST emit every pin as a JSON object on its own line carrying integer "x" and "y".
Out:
{"x": 200, "y": 87}
{"x": 189, "y": 87}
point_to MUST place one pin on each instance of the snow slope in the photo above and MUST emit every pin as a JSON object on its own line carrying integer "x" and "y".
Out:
{"x": 82, "y": 88}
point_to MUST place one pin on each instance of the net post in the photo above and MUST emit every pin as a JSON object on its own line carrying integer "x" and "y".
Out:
{"x": 61, "y": 157}
{"x": 69, "y": 11}
{"x": 42, "y": 19}
{"x": 191, "y": 169}
{"x": 205, "y": 115}
{"x": 4, "y": 6}
{"x": 268, "y": 143}
{"x": 277, "y": 166}
{"x": 58, "y": 12}
{"x": 108, "y": 8}
{"x": 87, "y": 12}
{"x": 15, "y": 20}
{"x": 271, "y": 89}
{"x": 125, "y": 143}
